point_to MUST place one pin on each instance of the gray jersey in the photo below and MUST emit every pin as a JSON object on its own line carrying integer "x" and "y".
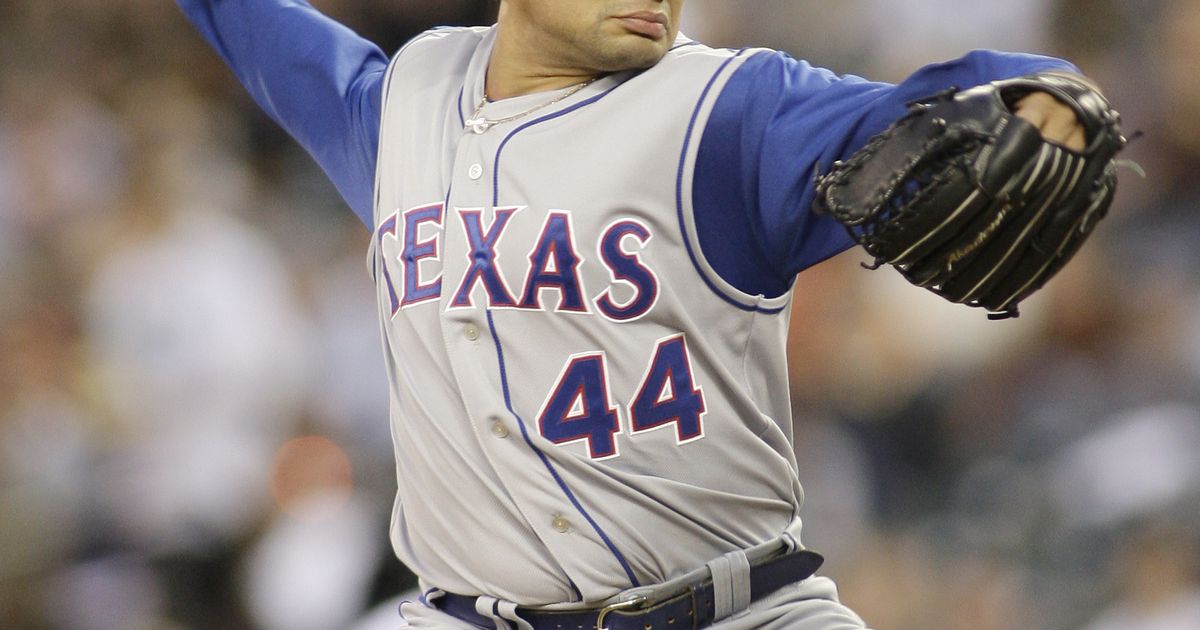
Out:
{"x": 582, "y": 401}
{"x": 579, "y": 403}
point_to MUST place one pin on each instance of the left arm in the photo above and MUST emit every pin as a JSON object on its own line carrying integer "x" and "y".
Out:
{"x": 975, "y": 203}
{"x": 776, "y": 123}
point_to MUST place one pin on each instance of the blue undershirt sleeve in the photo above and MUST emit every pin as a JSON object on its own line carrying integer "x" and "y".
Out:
{"x": 776, "y": 123}
{"x": 318, "y": 79}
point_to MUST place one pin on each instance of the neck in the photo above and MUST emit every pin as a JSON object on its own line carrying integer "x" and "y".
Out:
{"x": 522, "y": 63}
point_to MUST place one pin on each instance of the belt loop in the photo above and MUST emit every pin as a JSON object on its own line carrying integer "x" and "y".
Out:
{"x": 490, "y": 607}
{"x": 731, "y": 584}
{"x": 430, "y": 595}
{"x": 740, "y": 566}
{"x": 508, "y": 610}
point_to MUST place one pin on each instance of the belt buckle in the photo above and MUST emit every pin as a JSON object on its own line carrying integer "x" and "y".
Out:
{"x": 641, "y": 601}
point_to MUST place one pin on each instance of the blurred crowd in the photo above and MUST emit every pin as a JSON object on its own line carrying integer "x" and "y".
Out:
{"x": 193, "y": 425}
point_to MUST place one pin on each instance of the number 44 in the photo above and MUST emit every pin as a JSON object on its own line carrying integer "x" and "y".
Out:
{"x": 580, "y": 405}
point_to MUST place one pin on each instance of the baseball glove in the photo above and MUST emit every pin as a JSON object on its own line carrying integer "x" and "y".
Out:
{"x": 968, "y": 200}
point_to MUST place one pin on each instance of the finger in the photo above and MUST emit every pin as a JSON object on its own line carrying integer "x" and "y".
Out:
{"x": 1078, "y": 139}
{"x": 1035, "y": 107}
{"x": 1036, "y": 116}
{"x": 1056, "y": 121}
{"x": 1060, "y": 127}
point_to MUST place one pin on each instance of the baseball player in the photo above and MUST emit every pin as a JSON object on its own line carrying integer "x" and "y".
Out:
{"x": 585, "y": 229}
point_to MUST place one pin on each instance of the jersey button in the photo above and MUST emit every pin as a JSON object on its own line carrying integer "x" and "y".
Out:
{"x": 471, "y": 332}
{"x": 561, "y": 524}
{"x": 475, "y": 171}
{"x": 499, "y": 430}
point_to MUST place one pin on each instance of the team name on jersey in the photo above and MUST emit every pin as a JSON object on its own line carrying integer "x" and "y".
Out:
{"x": 551, "y": 268}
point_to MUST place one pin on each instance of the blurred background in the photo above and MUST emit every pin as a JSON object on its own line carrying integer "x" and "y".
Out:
{"x": 193, "y": 427}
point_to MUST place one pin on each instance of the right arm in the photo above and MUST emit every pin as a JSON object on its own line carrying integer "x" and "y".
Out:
{"x": 316, "y": 78}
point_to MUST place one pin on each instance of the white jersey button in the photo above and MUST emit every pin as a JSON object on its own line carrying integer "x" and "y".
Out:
{"x": 475, "y": 171}
{"x": 499, "y": 430}
{"x": 561, "y": 524}
{"x": 471, "y": 332}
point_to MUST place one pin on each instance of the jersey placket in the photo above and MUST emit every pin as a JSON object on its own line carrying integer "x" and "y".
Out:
{"x": 475, "y": 347}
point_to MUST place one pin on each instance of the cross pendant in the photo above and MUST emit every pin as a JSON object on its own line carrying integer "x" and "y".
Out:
{"x": 478, "y": 125}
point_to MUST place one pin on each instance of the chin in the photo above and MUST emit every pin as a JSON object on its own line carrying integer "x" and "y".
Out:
{"x": 632, "y": 54}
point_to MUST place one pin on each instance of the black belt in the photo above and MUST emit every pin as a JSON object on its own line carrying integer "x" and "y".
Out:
{"x": 691, "y": 608}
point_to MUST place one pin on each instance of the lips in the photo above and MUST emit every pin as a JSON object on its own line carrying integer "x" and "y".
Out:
{"x": 651, "y": 24}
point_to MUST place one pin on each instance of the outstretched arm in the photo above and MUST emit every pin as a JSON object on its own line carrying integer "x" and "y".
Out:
{"x": 316, "y": 78}
{"x": 977, "y": 204}
{"x": 780, "y": 120}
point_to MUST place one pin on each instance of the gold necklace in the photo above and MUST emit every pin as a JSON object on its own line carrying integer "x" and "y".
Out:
{"x": 477, "y": 124}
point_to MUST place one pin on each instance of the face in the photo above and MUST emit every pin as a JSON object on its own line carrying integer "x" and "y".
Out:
{"x": 596, "y": 35}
